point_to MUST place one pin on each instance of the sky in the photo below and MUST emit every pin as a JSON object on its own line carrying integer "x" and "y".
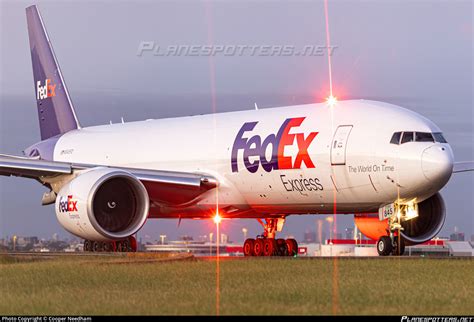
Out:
{"x": 417, "y": 54}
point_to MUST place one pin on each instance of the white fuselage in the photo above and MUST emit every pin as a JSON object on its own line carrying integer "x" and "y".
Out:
{"x": 350, "y": 165}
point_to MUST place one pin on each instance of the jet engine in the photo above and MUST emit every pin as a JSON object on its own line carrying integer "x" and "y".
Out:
{"x": 428, "y": 223}
{"x": 103, "y": 204}
{"x": 420, "y": 228}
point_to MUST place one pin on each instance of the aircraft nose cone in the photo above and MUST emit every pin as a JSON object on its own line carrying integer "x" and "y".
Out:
{"x": 437, "y": 164}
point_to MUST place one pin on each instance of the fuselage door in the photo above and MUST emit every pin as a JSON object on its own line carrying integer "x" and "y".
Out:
{"x": 339, "y": 144}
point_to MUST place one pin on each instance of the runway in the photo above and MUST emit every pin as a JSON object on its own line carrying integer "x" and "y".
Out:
{"x": 109, "y": 258}
{"x": 150, "y": 257}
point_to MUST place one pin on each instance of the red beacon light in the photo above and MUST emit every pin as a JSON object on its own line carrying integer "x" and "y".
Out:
{"x": 331, "y": 101}
{"x": 217, "y": 219}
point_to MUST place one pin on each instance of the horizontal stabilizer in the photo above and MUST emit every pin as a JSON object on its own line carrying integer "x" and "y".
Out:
{"x": 463, "y": 166}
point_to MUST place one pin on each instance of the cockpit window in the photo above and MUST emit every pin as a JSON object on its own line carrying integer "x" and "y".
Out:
{"x": 423, "y": 137}
{"x": 439, "y": 137}
{"x": 407, "y": 137}
{"x": 396, "y": 138}
{"x": 417, "y": 137}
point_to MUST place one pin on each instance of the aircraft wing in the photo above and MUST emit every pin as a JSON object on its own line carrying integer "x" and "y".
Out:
{"x": 31, "y": 168}
{"x": 169, "y": 186}
{"x": 463, "y": 166}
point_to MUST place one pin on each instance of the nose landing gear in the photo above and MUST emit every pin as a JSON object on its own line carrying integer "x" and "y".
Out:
{"x": 389, "y": 245}
{"x": 392, "y": 244}
{"x": 267, "y": 245}
{"x": 384, "y": 246}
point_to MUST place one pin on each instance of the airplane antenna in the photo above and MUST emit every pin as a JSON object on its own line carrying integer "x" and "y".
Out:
{"x": 123, "y": 122}
{"x": 256, "y": 107}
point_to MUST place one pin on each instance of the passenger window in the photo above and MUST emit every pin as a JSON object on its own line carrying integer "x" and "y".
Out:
{"x": 407, "y": 137}
{"x": 439, "y": 138}
{"x": 396, "y": 138}
{"x": 423, "y": 137}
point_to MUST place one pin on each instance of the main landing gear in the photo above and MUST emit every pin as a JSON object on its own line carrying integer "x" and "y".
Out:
{"x": 267, "y": 245}
{"x": 126, "y": 245}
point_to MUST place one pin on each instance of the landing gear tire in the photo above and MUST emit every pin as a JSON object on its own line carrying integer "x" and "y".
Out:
{"x": 269, "y": 247}
{"x": 258, "y": 247}
{"x": 282, "y": 247}
{"x": 248, "y": 247}
{"x": 384, "y": 246}
{"x": 107, "y": 247}
{"x": 87, "y": 246}
{"x": 133, "y": 244}
{"x": 96, "y": 246}
{"x": 126, "y": 247}
{"x": 398, "y": 251}
{"x": 292, "y": 247}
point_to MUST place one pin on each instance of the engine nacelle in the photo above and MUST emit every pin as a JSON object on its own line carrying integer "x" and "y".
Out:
{"x": 420, "y": 229}
{"x": 103, "y": 205}
{"x": 428, "y": 223}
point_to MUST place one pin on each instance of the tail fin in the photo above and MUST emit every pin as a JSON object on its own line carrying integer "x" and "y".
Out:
{"x": 55, "y": 111}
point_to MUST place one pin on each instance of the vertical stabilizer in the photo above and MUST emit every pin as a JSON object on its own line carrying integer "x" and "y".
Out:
{"x": 55, "y": 111}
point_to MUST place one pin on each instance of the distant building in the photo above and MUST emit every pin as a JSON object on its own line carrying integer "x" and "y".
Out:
{"x": 457, "y": 236}
{"x": 321, "y": 237}
{"x": 224, "y": 238}
{"x": 309, "y": 236}
{"x": 24, "y": 243}
{"x": 186, "y": 238}
{"x": 349, "y": 232}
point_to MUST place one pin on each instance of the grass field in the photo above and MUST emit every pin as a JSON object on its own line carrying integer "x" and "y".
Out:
{"x": 104, "y": 285}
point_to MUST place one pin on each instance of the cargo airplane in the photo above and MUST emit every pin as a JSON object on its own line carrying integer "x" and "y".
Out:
{"x": 382, "y": 163}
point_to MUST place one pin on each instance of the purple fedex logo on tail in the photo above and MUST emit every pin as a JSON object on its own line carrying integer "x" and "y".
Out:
{"x": 254, "y": 147}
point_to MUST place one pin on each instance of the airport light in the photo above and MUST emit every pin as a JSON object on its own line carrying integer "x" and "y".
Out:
{"x": 217, "y": 219}
{"x": 162, "y": 237}
{"x": 330, "y": 220}
{"x": 245, "y": 230}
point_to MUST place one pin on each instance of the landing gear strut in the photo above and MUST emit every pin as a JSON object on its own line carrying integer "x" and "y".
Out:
{"x": 126, "y": 245}
{"x": 398, "y": 250}
{"x": 267, "y": 245}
